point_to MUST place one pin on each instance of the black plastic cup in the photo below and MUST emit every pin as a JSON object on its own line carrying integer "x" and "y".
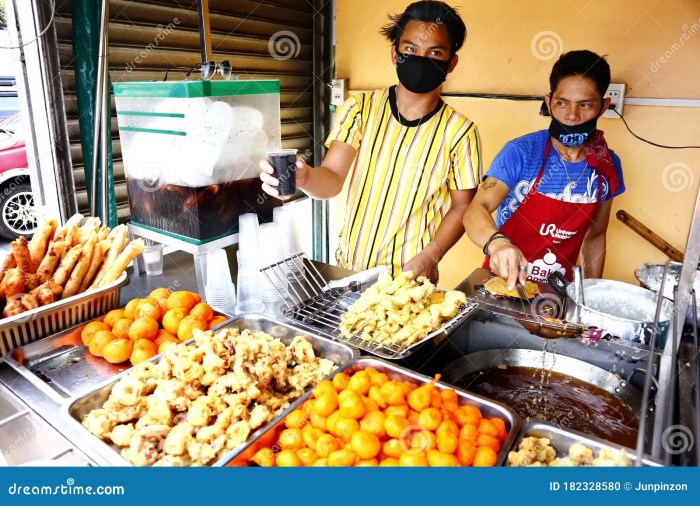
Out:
{"x": 284, "y": 163}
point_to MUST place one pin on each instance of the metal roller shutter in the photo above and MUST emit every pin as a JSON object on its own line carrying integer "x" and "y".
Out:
{"x": 270, "y": 40}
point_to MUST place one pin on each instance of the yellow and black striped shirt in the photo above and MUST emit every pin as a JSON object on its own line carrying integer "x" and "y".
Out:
{"x": 401, "y": 177}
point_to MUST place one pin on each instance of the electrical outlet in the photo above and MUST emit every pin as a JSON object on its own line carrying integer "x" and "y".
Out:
{"x": 616, "y": 93}
{"x": 338, "y": 91}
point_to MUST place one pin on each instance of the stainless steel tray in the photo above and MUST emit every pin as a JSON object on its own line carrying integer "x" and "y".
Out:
{"x": 561, "y": 440}
{"x": 78, "y": 408}
{"x": 61, "y": 366}
{"x": 242, "y": 455}
{"x": 43, "y": 321}
{"x": 322, "y": 314}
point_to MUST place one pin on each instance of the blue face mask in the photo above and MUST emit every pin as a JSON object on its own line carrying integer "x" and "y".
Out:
{"x": 572, "y": 136}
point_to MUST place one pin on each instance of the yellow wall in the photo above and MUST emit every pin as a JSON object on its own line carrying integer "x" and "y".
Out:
{"x": 502, "y": 55}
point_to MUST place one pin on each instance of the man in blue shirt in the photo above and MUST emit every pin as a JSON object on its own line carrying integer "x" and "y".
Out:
{"x": 552, "y": 190}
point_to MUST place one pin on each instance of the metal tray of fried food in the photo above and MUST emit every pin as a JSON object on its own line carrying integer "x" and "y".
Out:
{"x": 61, "y": 367}
{"x": 323, "y": 315}
{"x": 489, "y": 408}
{"x": 77, "y": 408}
{"x": 561, "y": 440}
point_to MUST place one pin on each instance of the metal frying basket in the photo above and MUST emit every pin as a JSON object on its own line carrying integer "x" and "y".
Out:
{"x": 313, "y": 304}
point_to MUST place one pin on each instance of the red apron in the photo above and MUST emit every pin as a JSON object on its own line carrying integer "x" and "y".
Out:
{"x": 548, "y": 231}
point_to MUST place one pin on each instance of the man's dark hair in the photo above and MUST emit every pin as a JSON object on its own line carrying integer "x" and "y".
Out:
{"x": 430, "y": 12}
{"x": 581, "y": 63}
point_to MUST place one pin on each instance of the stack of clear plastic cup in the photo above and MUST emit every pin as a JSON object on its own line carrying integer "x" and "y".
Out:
{"x": 249, "y": 285}
{"x": 284, "y": 217}
{"x": 218, "y": 287}
{"x": 274, "y": 282}
{"x": 248, "y": 257}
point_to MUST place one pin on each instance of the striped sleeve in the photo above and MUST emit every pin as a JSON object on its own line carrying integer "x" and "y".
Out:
{"x": 465, "y": 160}
{"x": 348, "y": 123}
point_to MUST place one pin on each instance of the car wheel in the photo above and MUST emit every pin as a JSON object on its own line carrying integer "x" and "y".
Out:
{"x": 17, "y": 214}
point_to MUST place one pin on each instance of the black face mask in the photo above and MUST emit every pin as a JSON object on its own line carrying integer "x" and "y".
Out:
{"x": 572, "y": 136}
{"x": 421, "y": 74}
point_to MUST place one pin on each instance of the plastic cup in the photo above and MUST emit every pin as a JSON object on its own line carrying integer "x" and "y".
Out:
{"x": 153, "y": 259}
{"x": 274, "y": 282}
{"x": 249, "y": 286}
{"x": 284, "y": 218}
{"x": 248, "y": 226}
{"x": 219, "y": 288}
{"x": 283, "y": 163}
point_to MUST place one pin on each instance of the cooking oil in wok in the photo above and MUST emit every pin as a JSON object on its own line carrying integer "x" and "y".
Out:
{"x": 562, "y": 400}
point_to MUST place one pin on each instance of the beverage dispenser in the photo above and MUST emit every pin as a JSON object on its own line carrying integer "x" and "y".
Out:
{"x": 191, "y": 151}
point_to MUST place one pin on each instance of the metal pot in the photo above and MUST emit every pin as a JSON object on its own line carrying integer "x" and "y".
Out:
{"x": 578, "y": 369}
{"x": 622, "y": 309}
{"x": 649, "y": 276}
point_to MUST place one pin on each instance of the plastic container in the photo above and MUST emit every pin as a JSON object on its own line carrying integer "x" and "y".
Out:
{"x": 191, "y": 151}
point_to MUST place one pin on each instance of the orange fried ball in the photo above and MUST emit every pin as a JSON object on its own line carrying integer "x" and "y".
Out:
{"x": 163, "y": 339}
{"x": 149, "y": 307}
{"x": 113, "y": 316}
{"x": 183, "y": 299}
{"x": 144, "y": 327}
{"x": 130, "y": 309}
{"x": 287, "y": 458}
{"x": 118, "y": 350}
{"x": 264, "y": 457}
{"x": 188, "y": 324}
{"x": 365, "y": 444}
{"x": 121, "y": 327}
{"x": 485, "y": 457}
{"x": 99, "y": 340}
{"x": 90, "y": 329}
{"x": 172, "y": 319}
{"x": 216, "y": 321}
{"x": 143, "y": 350}
{"x": 203, "y": 310}
{"x": 160, "y": 293}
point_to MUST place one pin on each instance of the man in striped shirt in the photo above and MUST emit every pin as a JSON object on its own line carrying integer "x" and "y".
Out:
{"x": 414, "y": 162}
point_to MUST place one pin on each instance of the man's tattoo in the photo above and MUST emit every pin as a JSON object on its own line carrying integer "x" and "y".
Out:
{"x": 488, "y": 183}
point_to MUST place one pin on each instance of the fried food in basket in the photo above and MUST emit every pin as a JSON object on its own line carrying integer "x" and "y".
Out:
{"x": 60, "y": 262}
{"x": 499, "y": 286}
{"x": 399, "y": 311}
{"x": 41, "y": 239}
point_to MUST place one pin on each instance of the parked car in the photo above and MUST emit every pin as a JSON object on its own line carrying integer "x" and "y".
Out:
{"x": 17, "y": 216}
{"x": 9, "y": 100}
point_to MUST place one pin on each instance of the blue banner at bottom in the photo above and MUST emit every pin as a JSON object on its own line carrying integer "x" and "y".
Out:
{"x": 340, "y": 486}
